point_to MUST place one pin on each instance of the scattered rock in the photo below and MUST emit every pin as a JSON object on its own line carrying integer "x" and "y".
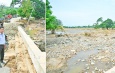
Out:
{"x": 92, "y": 62}
{"x": 79, "y": 60}
{"x": 87, "y": 68}
{"x": 96, "y": 68}
{"x": 83, "y": 60}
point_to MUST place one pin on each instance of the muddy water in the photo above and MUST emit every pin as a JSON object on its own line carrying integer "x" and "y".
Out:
{"x": 76, "y": 30}
{"x": 72, "y": 31}
{"x": 77, "y": 63}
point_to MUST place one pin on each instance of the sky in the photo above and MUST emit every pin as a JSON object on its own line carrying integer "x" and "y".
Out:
{"x": 5, "y": 2}
{"x": 82, "y": 12}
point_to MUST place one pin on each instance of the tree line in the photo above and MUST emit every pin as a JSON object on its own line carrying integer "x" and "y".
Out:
{"x": 104, "y": 24}
{"x": 100, "y": 23}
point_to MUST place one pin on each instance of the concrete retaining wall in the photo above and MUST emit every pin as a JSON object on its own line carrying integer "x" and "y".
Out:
{"x": 38, "y": 58}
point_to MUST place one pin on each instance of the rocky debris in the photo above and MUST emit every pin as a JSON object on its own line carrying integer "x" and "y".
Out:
{"x": 41, "y": 45}
{"x": 55, "y": 65}
{"x": 18, "y": 57}
{"x": 92, "y": 62}
{"x": 16, "y": 53}
{"x": 95, "y": 63}
{"x": 36, "y": 31}
{"x": 59, "y": 35}
{"x": 10, "y": 29}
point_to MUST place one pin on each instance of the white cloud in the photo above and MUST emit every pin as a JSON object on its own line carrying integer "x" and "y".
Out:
{"x": 5, "y": 2}
{"x": 44, "y": 0}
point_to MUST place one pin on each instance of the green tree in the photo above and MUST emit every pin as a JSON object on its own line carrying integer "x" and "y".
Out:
{"x": 49, "y": 16}
{"x": 2, "y": 10}
{"x": 11, "y": 11}
{"x": 102, "y": 25}
{"x": 113, "y": 25}
{"x": 39, "y": 9}
{"x": 52, "y": 23}
{"x": 95, "y": 25}
{"x": 15, "y": 2}
{"x": 99, "y": 20}
{"x": 107, "y": 24}
{"x": 26, "y": 9}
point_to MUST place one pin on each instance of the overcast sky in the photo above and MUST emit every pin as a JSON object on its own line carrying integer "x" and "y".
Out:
{"x": 82, "y": 12}
{"x": 5, "y": 2}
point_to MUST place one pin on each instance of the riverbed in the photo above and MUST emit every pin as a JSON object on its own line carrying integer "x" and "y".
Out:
{"x": 86, "y": 50}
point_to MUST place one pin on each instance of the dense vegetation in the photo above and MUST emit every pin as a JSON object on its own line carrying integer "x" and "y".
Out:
{"x": 35, "y": 8}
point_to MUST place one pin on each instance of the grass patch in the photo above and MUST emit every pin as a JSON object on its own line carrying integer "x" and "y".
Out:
{"x": 32, "y": 32}
{"x": 87, "y": 34}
